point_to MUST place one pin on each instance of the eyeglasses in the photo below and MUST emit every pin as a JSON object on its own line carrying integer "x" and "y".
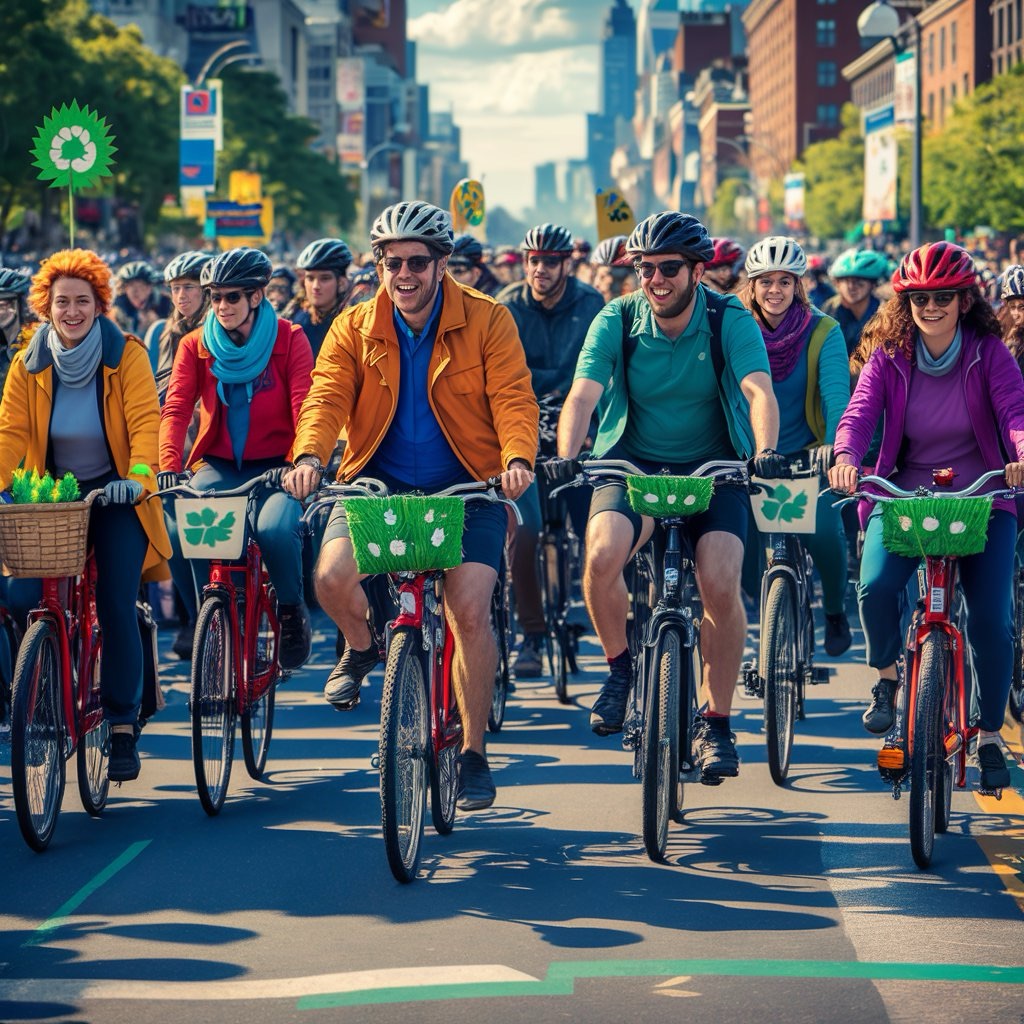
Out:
{"x": 538, "y": 260}
{"x": 921, "y": 299}
{"x": 668, "y": 268}
{"x": 417, "y": 264}
{"x": 462, "y": 268}
{"x": 8, "y": 303}
{"x": 231, "y": 298}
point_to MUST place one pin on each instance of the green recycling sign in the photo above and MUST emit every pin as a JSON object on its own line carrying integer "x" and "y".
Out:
{"x": 786, "y": 506}
{"x": 211, "y": 527}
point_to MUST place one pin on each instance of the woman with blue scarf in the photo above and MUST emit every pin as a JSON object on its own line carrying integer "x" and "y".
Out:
{"x": 249, "y": 371}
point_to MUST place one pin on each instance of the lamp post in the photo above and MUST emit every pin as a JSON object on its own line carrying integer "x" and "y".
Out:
{"x": 879, "y": 21}
{"x": 364, "y": 182}
{"x": 207, "y": 69}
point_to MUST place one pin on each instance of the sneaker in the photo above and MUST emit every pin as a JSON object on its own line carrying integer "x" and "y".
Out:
{"x": 714, "y": 748}
{"x": 837, "y": 634}
{"x": 344, "y": 683}
{"x": 610, "y": 707}
{"x": 476, "y": 787}
{"x": 124, "y": 764}
{"x": 881, "y": 711}
{"x": 994, "y": 773}
{"x": 296, "y": 636}
{"x": 182, "y": 643}
{"x": 528, "y": 661}
{"x": 339, "y": 644}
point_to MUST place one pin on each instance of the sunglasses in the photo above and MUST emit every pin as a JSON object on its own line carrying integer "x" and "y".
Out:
{"x": 460, "y": 268}
{"x": 669, "y": 268}
{"x": 231, "y": 298}
{"x": 921, "y": 299}
{"x": 545, "y": 261}
{"x": 417, "y": 264}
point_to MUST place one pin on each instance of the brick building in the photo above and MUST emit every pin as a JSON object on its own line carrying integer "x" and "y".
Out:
{"x": 956, "y": 52}
{"x": 1007, "y": 34}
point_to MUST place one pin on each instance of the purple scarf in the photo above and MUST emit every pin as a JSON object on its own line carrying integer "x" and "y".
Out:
{"x": 786, "y": 343}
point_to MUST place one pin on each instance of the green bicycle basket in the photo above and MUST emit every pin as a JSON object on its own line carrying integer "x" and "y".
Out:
{"x": 405, "y": 532}
{"x": 662, "y": 496}
{"x": 935, "y": 527}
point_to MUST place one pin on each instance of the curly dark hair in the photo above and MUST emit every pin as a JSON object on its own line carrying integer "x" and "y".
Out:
{"x": 1012, "y": 335}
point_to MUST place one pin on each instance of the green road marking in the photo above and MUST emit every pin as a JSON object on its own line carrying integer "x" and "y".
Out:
{"x": 56, "y": 919}
{"x": 561, "y": 978}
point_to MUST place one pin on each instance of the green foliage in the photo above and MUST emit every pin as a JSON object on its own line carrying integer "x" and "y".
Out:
{"x": 405, "y": 532}
{"x": 917, "y": 527}
{"x": 31, "y": 489}
{"x": 834, "y": 171}
{"x": 722, "y": 218}
{"x": 203, "y": 527}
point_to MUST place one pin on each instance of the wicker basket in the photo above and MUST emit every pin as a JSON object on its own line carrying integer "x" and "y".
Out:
{"x": 44, "y": 540}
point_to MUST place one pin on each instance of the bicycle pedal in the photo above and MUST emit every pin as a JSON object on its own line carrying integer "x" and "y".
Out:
{"x": 753, "y": 684}
{"x": 711, "y": 780}
{"x": 891, "y": 759}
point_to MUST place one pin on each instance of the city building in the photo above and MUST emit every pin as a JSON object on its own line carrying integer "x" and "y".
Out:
{"x": 721, "y": 100}
{"x": 1007, "y": 34}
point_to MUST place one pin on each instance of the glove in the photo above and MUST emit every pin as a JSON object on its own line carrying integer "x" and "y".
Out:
{"x": 166, "y": 480}
{"x": 821, "y": 459}
{"x": 6, "y": 498}
{"x": 560, "y": 471}
{"x": 123, "y": 492}
{"x": 769, "y": 464}
{"x": 274, "y": 476}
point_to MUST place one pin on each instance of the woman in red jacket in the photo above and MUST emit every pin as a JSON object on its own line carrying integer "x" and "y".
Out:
{"x": 249, "y": 371}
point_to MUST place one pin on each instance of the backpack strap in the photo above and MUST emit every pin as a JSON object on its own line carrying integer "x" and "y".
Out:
{"x": 812, "y": 400}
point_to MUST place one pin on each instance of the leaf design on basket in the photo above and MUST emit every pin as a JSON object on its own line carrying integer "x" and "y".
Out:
{"x": 784, "y": 505}
{"x": 203, "y": 527}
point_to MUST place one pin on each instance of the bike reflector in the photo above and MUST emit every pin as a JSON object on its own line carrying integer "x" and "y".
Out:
{"x": 662, "y": 496}
{"x": 405, "y": 532}
{"x": 935, "y": 527}
{"x": 786, "y": 506}
{"x": 211, "y": 527}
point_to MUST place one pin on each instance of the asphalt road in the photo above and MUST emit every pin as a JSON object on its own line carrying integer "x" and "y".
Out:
{"x": 799, "y": 903}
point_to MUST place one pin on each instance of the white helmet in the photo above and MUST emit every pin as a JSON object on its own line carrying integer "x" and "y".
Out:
{"x": 776, "y": 253}
{"x": 1013, "y": 282}
{"x": 414, "y": 221}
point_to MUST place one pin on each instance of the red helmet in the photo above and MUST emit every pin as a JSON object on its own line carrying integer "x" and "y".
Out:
{"x": 727, "y": 253}
{"x": 933, "y": 267}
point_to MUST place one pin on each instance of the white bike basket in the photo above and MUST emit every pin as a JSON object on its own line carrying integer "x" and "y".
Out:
{"x": 211, "y": 527}
{"x": 786, "y": 506}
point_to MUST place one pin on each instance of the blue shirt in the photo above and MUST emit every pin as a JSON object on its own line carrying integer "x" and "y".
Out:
{"x": 414, "y": 450}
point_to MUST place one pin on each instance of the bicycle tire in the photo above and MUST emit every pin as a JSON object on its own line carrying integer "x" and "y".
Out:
{"x": 777, "y": 667}
{"x": 661, "y": 742}
{"x": 499, "y": 692}
{"x": 444, "y": 774}
{"x": 94, "y": 751}
{"x": 639, "y": 588}
{"x": 212, "y": 703}
{"x": 553, "y": 570}
{"x": 1016, "y": 702}
{"x": 927, "y": 756}
{"x": 404, "y": 753}
{"x": 37, "y": 736}
{"x": 258, "y": 719}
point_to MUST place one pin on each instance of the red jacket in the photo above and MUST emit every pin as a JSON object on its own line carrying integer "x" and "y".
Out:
{"x": 276, "y": 400}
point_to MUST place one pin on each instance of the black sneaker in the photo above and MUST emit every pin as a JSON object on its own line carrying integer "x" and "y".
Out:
{"x": 881, "y": 711}
{"x": 714, "y": 748}
{"x": 837, "y": 634}
{"x": 476, "y": 787}
{"x": 343, "y": 684}
{"x": 124, "y": 764}
{"x": 296, "y": 636}
{"x": 992, "y": 762}
{"x": 528, "y": 662}
{"x": 181, "y": 645}
{"x": 610, "y": 707}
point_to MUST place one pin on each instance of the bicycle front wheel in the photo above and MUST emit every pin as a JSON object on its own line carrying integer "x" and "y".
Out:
{"x": 778, "y": 670}
{"x": 94, "y": 750}
{"x": 928, "y": 754}
{"x": 258, "y": 719}
{"x": 404, "y": 754}
{"x": 499, "y": 694}
{"x": 37, "y": 736}
{"x": 212, "y": 703}
{"x": 661, "y": 742}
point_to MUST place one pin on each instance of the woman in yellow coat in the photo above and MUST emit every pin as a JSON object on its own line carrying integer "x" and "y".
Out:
{"x": 81, "y": 398}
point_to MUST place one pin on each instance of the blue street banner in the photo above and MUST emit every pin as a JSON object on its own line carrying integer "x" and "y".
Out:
{"x": 197, "y": 163}
{"x": 234, "y": 220}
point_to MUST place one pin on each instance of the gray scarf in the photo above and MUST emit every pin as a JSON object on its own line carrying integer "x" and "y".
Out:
{"x": 928, "y": 364}
{"x": 76, "y": 366}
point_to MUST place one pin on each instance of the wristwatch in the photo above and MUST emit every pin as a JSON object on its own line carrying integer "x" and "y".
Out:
{"x": 309, "y": 460}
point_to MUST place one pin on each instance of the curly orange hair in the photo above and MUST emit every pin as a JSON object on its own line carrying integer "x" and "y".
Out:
{"x": 78, "y": 263}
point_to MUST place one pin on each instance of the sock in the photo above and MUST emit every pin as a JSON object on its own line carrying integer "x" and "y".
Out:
{"x": 621, "y": 664}
{"x": 706, "y": 712}
{"x": 985, "y": 737}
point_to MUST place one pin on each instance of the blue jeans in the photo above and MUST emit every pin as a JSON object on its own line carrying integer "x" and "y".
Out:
{"x": 986, "y": 579}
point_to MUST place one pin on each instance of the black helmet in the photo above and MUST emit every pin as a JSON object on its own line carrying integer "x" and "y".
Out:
{"x": 137, "y": 270}
{"x": 13, "y": 283}
{"x": 286, "y": 272}
{"x": 547, "y": 238}
{"x": 187, "y": 264}
{"x": 413, "y": 221}
{"x": 239, "y": 268}
{"x": 325, "y": 254}
{"x": 467, "y": 250}
{"x": 671, "y": 231}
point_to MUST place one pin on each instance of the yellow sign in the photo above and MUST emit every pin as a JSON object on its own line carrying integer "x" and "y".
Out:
{"x": 614, "y": 216}
{"x": 245, "y": 187}
{"x": 467, "y": 206}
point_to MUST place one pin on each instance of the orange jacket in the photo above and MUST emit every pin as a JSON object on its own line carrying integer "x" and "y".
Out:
{"x": 479, "y": 386}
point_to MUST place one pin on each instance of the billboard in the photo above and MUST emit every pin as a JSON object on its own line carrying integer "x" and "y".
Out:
{"x": 880, "y": 162}
{"x": 904, "y": 87}
{"x": 351, "y": 79}
{"x": 197, "y": 164}
{"x": 793, "y": 200}
{"x": 202, "y": 115}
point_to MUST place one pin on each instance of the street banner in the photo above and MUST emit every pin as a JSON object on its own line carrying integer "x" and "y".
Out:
{"x": 880, "y": 165}
{"x": 202, "y": 114}
{"x": 467, "y": 207}
{"x": 903, "y": 88}
{"x": 793, "y": 200}
{"x": 614, "y": 215}
{"x": 197, "y": 163}
{"x": 351, "y": 92}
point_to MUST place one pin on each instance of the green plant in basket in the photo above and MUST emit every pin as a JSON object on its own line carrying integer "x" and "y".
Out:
{"x": 669, "y": 495}
{"x": 405, "y": 533}
{"x": 919, "y": 527}
{"x": 29, "y": 488}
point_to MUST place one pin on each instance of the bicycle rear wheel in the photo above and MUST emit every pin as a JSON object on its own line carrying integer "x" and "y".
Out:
{"x": 258, "y": 720}
{"x": 37, "y": 736}
{"x": 661, "y": 742}
{"x": 404, "y": 753}
{"x": 94, "y": 749}
{"x": 499, "y": 629}
{"x": 778, "y": 670}
{"x": 212, "y": 703}
{"x": 928, "y": 755}
{"x": 552, "y": 584}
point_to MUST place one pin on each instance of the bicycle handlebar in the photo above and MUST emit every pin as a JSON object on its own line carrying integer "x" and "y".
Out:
{"x": 724, "y": 470}
{"x": 209, "y": 492}
{"x": 921, "y": 492}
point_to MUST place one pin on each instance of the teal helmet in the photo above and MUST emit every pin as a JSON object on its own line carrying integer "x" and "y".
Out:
{"x": 865, "y": 263}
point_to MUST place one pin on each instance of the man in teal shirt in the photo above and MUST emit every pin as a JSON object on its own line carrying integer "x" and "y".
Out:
{"x": 667, "y": 409}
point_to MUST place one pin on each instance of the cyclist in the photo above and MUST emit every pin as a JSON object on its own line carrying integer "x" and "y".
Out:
{"x": 552, "y": 310}
{"x": 819, "y": 291}
{"x": 507, "y": 264}
{"x": 950, "y": 394}
{"x": 668, "y": 409}
{"x": 249, "y": 371}
{"x": 324, "y": 265}
{"x": 429, "y": 381}
{"x": 281, "y": 287}
{"x": 811, "y": 379}
{"x": 613, "y": 268}
{"x": 364, "y": 284}
{"x": 138, "y": 303}
{"x": 722, "y": 272}
{"x": 80, "y": 398}
{"x": 1011, "y": 312}
{"x": 467, "y": 266}
{"x": 856, "y": 273}
{"x": 17, "y": 325}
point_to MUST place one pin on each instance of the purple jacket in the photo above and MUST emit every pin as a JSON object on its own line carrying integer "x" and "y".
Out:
{"x": 992, "y": 386}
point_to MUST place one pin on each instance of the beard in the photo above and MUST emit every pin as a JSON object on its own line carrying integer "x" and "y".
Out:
{"x": 681, "y": 303}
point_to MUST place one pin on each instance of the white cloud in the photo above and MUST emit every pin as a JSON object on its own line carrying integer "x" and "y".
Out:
{"x": 466, "y": 24}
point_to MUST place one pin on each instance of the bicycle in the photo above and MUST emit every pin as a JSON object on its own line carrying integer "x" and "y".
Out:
{"x": 420, "y": 728}
{"x": 1016, "y": 701}
{"x": 931, "y": 737}
{"x": 235, "y": 667}
{"x": 785, "y": 665}
{"x": 667, "y": 674}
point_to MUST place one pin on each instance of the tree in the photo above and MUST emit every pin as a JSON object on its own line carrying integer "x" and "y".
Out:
{"x": 834, "y": 179}
{"x": 722, "y": 219}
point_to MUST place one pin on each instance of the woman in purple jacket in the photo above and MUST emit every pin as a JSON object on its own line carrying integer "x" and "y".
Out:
{"x": 951, "y": 395}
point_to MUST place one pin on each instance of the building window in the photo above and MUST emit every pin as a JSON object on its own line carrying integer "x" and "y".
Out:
{"x": 827, "y": 71}
{"x": 999, "y": 26}
{"x": 967, "y": 84}
{"x": 828, "y": 115}
{"x": 942, "y": 48}
{"x": 826, "y": 32}
{"x": 931, "y": 53}
{"x": 931, "y": 107}
{"x": 999, "y": 64}
{"x": 952, "y": 43}
{"x": 952, "y": 93}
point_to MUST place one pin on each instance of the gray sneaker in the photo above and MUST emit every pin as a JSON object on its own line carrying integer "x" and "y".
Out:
{"x": 344, "y": 683}
{"x": 476, "y": 787}
{"x": 528, "y": 663}
{"x": 714, "y": 748}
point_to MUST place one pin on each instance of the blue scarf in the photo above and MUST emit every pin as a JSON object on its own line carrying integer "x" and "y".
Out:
{"x": 76, "y": 367}
{"x": 928, "y": 364}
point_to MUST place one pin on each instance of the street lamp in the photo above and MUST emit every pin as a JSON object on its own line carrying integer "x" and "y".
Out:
{"x": 207, "y": 69}
{"x": 879, "y": 21}
{"x": 364, "y": 177}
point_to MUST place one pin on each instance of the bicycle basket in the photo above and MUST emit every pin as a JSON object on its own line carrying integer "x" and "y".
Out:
{"x": 212, "y": 527}
{"x": 662, "y": 496}
{"x": 44, "y": 540}
{"x": 786, "y": 506}
{"x": 936, "y": 527}
{"x": 405, "y": 532}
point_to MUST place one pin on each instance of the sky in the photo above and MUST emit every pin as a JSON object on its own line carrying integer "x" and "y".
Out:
{"x": 520, "y": 77}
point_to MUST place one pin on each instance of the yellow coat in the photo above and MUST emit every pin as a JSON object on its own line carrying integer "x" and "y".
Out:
{"x": 131, "y": 421}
